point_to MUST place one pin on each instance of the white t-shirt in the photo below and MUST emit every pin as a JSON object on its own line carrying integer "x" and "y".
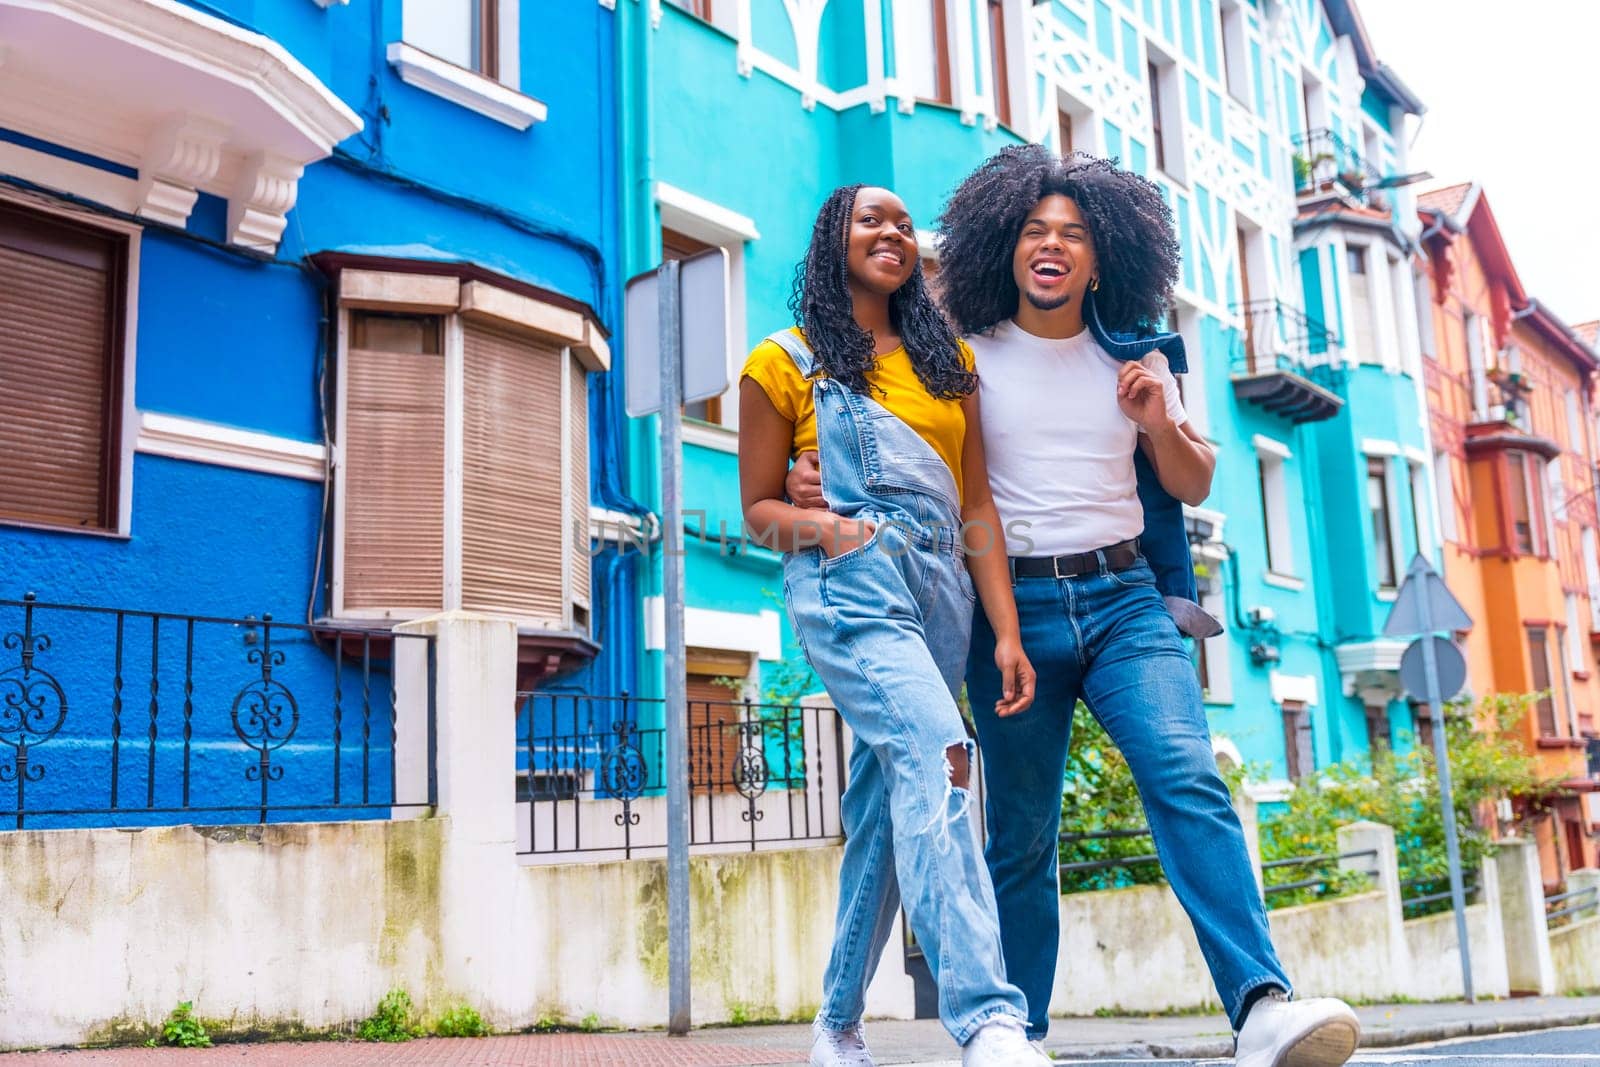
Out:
{"x": 1060, "y": 450}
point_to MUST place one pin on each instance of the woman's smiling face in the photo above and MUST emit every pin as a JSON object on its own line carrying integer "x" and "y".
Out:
{"x": 881, "y": 245}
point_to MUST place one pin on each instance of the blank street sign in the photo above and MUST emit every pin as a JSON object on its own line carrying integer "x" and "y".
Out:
{"x": 705, "y": 332}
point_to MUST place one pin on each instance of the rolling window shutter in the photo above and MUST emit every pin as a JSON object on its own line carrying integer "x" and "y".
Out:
{"x": 393, "y": 538}
{"x": 59, "y": 308}
{"x": 578, "y": 474}
{"x": 512, "y": 487}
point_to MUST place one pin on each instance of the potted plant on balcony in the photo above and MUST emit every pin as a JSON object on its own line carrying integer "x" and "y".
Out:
{"x": 1353, "y": 179}
{"x": 1302, "y": 171}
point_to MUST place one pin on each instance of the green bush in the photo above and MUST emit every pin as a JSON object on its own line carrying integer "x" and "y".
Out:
{"x": 461, "y": 1020}
{"x": 1099, "y": 795}
{"x": 393, "y": 1021}
{"x": 183, "y": 1030}
{"x": 1489, "y": 760}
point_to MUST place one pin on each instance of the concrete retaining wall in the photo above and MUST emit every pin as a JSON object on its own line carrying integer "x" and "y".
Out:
{"x": 1575, "y": 951}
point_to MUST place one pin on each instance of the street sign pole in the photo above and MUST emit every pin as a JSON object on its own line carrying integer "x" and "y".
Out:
{"x": 1441, "y": 758}
{"x": 672, "y": 595}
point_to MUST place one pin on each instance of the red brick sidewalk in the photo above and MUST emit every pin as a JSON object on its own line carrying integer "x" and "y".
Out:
{"x": 519, "y": 1050}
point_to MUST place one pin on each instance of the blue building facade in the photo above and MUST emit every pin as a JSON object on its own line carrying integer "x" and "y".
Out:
{"x": 309, "y": 308}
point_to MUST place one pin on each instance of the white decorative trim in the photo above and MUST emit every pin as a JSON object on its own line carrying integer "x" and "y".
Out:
{"x": 177, "y": 437}
{"x": 730, "y": 225}
{"x": 1298, "y": 687}
{"x": 330, "y": 3}
{"x": 1378, "y": 654}
{"x": 1415, "y": 455}
{"x": 53, "y": 172}
{"x": 258, "y": 210}
{"x": 1275, "y": 791}
{"x": 1283, "y": 581}
{"x": 183, "y": 153}
{"x": 606, "y": 525}
{"x": 1388, "y": 596}
{"x": 1373, "y": 447}
{"x": 471, "y": 90}
{"x": 1263, "y": 443}
{"x": 760, "y": 633}
{"x": 480, "y": 300}
{"x": 1224, "y": 748}
{"x": 393, "y": 291}
{"x": 716, "y": 438}
{"x": 258, "y": 101}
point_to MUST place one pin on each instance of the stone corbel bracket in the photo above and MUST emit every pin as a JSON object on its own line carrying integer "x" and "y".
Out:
{"x": 182, "y": 154}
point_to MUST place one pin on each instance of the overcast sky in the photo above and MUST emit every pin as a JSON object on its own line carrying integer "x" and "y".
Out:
{"x": 1513, "y": 96}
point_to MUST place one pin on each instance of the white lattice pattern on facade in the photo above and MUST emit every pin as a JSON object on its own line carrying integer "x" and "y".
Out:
{"x": 1072, "y": 63}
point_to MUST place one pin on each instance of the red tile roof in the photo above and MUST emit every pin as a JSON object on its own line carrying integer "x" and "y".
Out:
{"x": 1447, "y": 200}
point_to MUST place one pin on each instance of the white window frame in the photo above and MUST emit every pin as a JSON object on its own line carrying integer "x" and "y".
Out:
{"x": 1575, "y": 640}
{"x": 1575, "y": 438}
{"x": 1591, "y": 574}
{"x": 1422, "y": 502}
{"x": 1175, "y": 119}
{"x": 1234, "y": 40}
{"x": 499, "y": 98}
{"x": 1195, "y": 402}
{"x": 1564, "y": 669}
{"x": 1444, "y": 490}
{"x": 1273, "y": 456}
{"x": 1477, "y": 363}
{"x": 714, "y": 224}
{"x": 1385, "y": 454}
{"x": 128, "y": 417}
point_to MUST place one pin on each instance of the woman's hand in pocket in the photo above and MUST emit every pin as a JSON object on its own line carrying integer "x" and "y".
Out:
{"x": 1016, "y": 678}
{"x": 840, "y": 535}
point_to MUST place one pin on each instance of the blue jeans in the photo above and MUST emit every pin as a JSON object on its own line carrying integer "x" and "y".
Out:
{"x": 1108, "y": 639}
{"x": 886, "y": 627}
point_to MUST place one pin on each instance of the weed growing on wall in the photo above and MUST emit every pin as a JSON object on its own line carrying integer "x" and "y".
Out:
{"x": 393, "y": 1021}
{"x": 461, "y": 1020}
{"x": 182, "y": 1029}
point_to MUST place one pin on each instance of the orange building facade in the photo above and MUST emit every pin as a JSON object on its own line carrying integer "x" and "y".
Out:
{"x": 1510, "y": 397}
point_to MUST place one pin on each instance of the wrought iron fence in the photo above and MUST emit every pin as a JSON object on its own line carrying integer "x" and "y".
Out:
{"x": 117, "y": 717}
{"x": 591, "y": 774}
{"x": 1278, "y": 336}
{"x": 1325, "y": 162}
{"x": 1324, "y": 876}
{"x": 1584, "y": 900}
{"x": 1430, "y": 893}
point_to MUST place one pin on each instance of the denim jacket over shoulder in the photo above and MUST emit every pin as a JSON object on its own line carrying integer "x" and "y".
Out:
{"x": 1165, "y": 541}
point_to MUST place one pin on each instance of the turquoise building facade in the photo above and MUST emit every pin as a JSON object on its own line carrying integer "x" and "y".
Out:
{"x": 1278, "y": 138}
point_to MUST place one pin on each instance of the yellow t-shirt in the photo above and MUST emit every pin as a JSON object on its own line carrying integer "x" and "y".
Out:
{"x": 895, "y": 385}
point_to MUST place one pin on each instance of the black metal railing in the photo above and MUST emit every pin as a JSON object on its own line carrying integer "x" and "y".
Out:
{"x": 1107, "y": 859}
{"x": 1585, "y": 900}
{"x": 1430, "y": 893}
{"x": 591, "y": 771}
{"x": 117, "y": 717}
{"x": 1279, "y": 337}
{"x": 1328, "y": 875}
{"x": 1325, "y": 162}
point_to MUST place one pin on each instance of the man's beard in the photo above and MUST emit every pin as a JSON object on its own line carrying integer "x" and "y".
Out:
{"x": 1047, "y": 303}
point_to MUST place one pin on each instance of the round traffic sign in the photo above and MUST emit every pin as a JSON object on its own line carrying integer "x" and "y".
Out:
{"x": 1447, "y": 657}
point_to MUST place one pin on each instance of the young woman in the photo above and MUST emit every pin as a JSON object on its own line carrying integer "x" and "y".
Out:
{"x": 879, "y": 591}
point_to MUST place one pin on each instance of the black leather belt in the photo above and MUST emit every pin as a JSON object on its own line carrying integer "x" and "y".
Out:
{"x": 1118, "y": 557}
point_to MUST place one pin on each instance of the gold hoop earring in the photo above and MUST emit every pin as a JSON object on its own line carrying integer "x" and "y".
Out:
{"x": 1094, "y": 285}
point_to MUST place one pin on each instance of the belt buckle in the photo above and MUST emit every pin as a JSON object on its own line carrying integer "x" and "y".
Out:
{"x": 1055, "y": 566}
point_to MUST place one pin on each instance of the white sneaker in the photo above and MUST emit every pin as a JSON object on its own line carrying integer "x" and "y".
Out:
{"x": 1002, "y": 1042}
{"x": 839, "y": 1048}
{"x": 1321, "y": 1032}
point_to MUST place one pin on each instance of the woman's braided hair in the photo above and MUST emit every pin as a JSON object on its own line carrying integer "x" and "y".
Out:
{"x": 1129, "y": 220}
{"x": 823, "y": 308}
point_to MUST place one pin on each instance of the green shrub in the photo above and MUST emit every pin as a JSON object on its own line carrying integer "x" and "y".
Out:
{"x": 461, "y": 1020}
{"x": 393, "y": 1021}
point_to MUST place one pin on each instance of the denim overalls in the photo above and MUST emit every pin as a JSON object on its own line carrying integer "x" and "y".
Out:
{"x": 885, "y": 626}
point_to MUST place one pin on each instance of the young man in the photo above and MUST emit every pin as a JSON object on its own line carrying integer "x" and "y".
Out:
{"x": 1051, "y": 267}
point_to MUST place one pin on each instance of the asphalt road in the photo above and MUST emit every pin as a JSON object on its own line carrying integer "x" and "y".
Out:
{"x": 1575, "y": 1046}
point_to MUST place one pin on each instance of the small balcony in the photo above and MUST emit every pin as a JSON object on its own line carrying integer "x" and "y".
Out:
{"x": 1286, "y": 362}
{"x": 1327, "y": 168}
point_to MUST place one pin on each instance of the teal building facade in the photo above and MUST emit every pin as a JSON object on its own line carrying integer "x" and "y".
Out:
{"x": 1279, "y": 139}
